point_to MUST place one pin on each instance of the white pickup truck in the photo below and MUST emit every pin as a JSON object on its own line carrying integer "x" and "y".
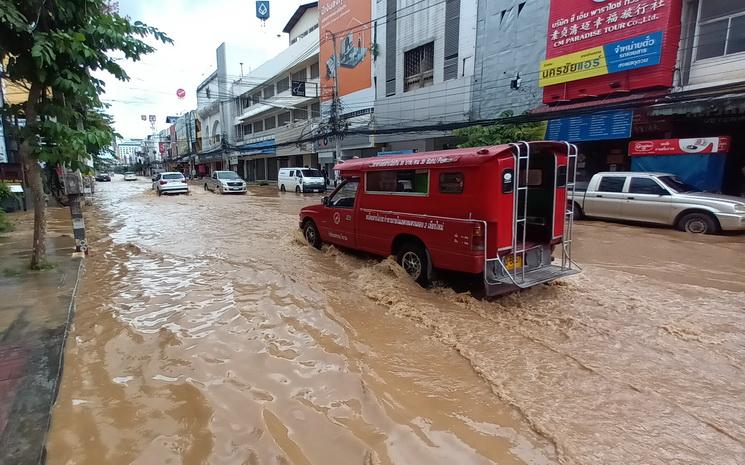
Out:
{"x": 659, "y": 198}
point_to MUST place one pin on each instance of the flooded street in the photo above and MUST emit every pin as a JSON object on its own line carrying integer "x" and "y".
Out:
{"x": 208, "y": 332}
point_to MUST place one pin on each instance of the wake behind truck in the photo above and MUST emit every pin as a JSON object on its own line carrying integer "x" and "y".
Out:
{"x": 499, "y": 211}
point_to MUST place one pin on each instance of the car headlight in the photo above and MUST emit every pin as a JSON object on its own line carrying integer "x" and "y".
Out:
{"x": 739, "y": 208}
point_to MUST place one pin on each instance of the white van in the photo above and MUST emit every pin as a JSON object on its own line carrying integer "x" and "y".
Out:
{"x": 301, "y": 180}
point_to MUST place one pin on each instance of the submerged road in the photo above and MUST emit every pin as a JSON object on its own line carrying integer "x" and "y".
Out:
{"x": 207, "y": 332}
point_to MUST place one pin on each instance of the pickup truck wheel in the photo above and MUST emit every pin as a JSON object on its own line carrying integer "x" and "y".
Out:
{"x": 413, "y": 259}
{"x": 282, "y": 188}
{"x": 297, "y": 189}
{"x": 698, "y": 223}
{"x": 310, "y": 231}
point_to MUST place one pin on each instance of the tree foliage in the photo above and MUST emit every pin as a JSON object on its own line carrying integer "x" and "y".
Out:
{"x": 501, "y": 133}
{"x": 57, "y": 50}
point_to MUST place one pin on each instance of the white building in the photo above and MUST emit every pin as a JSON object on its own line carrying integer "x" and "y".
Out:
{"x": 127, "y": 149}
{"x": 424, "y": 70}
{"x": 270, "y": 114}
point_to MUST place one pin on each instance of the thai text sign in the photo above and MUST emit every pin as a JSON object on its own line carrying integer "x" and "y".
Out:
{"x": 616, "y": 36}
{"x": 697, "y": 146}
{"x": 636, "y": 52}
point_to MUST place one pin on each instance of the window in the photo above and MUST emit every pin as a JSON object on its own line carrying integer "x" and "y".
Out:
{"x": 258, "y": 126}
{"x": 315, "y": 110}
{"x": 247, "y": 128}
{"x": 314, "y": 71}
{"x": 344, "y": 197}
{"x": 403, "y": 181}
{"x": 283, "y": 119}
{"x": 645, "y": 186}
{"x": 256, "y": 98}
{"x": 451, "y": 183}
{"x": 299, "y": 75}
{"x": 270, "y": 123}
{"x": 312, "y": 173}
{"x": 612, "y": 183}
{"x": 419, "y": 66}
{"x": 678, "y": 185}
{"x": 268, "y": 92}
{"x": 721, "y": 28}
{"x": 283, "y": 85}
{"x": 207, "y": 92}
{"x": 292, "y": 173}
{"x": 299, "y": 114}
{"x": 561, "y": 176}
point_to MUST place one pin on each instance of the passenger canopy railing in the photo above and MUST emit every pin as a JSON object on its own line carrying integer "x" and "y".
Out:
{"x": 526, "y": 264}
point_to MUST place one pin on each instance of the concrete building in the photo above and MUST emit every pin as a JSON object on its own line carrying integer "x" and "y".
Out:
{"x": 127, "y": 149}
{"x": 424, "y": 70}
{"x": 508, "y": 50}
{"x": 277, "y": 105}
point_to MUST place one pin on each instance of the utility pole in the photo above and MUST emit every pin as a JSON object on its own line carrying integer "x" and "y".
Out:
{"x": 336, "y": 122}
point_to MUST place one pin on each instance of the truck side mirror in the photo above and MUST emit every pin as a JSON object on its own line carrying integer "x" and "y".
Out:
{"x": 325, "y": 200}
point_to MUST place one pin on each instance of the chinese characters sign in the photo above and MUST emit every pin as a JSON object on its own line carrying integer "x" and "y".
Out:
{"x": 588, "y": 40}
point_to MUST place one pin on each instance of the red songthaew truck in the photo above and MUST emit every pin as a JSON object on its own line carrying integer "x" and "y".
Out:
{"x": 496, "y": 211}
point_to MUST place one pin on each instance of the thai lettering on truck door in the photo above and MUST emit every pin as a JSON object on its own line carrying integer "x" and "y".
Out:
{"x": 341, "y": 215}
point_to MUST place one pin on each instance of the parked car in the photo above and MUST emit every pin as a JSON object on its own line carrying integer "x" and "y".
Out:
{"x": 103, "y": 177}
{"x": 462, "y": 210}
{"x": 170, "y": 182}
{"x": 301, "y": 180}
{"x": 660, "y": 198}
{"x": 225, "y": 182}
{"x": 130, "y": 176}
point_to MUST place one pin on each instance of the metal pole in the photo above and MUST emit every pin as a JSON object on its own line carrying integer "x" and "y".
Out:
{"x": 335, "y": 107}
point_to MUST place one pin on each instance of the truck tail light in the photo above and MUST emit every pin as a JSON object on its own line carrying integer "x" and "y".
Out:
{"x": 477, "y": 237}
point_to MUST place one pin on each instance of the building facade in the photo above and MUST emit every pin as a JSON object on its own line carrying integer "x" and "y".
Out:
{"x": 276, "y": 108}
{"x": 127, "y": 151}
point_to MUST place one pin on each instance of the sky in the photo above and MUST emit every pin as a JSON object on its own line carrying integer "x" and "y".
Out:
{"x": 197, "y": 28}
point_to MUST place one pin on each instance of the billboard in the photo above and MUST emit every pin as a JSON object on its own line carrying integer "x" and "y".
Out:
{"x": 593, "y": 44}
{"x": 350, "y": 22}
{"x": 697, "y": 146}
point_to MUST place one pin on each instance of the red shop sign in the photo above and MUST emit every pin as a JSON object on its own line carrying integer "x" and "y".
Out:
{"x": 695, "y": 146}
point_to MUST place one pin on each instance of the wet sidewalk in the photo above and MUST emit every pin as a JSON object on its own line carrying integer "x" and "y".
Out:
{"x": 35, "y": 308}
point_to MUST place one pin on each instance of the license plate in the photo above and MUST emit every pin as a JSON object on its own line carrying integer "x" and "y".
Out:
{"x": 511, "y": 264}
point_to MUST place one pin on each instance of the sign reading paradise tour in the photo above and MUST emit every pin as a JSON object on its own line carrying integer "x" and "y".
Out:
{"x": 591, "y": 40}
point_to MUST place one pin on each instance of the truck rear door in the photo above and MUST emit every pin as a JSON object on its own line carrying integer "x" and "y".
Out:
{"x": 606, "y": 198}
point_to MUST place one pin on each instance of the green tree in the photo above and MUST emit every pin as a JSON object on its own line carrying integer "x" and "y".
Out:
{"x": 55, "y": 49}
{"x": 501, "y": 133}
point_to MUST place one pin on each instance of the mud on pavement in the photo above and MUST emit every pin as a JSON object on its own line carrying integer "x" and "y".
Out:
{"x": 207, "y": 332}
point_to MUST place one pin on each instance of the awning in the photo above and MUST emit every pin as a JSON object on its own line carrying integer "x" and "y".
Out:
{"x": 723, "y": 105}
{"x": 600, "y": 105}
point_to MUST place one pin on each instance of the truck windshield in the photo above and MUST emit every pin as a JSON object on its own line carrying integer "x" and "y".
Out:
{"x": 312, "y": 173}
{"x": 227, "y": 175}
{"x": 676, "y": 184}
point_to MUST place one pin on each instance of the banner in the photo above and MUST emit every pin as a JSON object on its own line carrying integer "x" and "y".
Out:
{"x": 617, "y": 36}
{"x": 349, "y": 21}
{"x": 603, "y": 125}
{"x": 698, "y": 146}
{"x": 624, "y": 55}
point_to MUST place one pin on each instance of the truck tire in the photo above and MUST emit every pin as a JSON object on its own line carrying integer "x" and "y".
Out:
{"x": 310, "y": 231}
{"x": 282, "y": 188}
{"x": 698, "y": 223}
{"x": 297, "y": 189}
{"x": 578, "y": 213}
{"x": 413, "y": 259}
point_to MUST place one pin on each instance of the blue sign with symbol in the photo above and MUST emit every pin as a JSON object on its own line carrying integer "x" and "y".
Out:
{"x": 603, "y": 125}
{"x": 262, "y": 9}
{"x": 633, "y": 53}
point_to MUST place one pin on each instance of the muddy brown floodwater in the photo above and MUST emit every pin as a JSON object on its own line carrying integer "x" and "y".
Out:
{"x": 206, "y": 332}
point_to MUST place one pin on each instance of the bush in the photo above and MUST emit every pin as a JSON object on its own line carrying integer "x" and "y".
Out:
{"x": 5, "y": 224}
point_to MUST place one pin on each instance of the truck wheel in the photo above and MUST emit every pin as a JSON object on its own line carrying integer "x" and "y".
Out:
{"x": 698, "y": 223}
{"x": 297, "y": 189}
{"x": 413, "y": 259}
{"x": 282, "y": 188}
{"x": 310, "y": 231}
